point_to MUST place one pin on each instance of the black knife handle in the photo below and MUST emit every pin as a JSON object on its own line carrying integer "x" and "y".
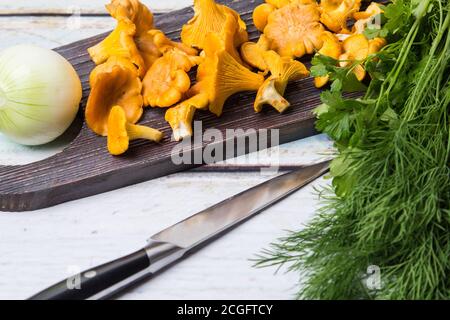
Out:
{"x": 91, "y": 282}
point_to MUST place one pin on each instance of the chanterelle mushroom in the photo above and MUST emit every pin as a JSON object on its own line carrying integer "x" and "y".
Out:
{"x": 261, "y": 15}
{"x": 335, "y": 13}
{"x": 294, "y": 30}
{"x": 211, "y": 17}
{"x": 252, "y": 53}
{"x": 133, "y": 20}
{"x": 219, "y": 76}
{"x": 180, "y": 117}
{"x": 115, "y": 82}
{"x": 332, "y": 47}
{"x": 357, "y": 48}
{"x": 364, "y": 18}
{"x": 167, "y": 80}
{"x": 283, "y": 70}
{"x": 121, "y": 132}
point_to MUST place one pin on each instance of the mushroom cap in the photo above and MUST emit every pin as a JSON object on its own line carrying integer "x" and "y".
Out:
{"x": 278, "y": 3}
{"x": 211, "y": 17}
{"x": 129, "y": 37}
{"x": 261, "y": 15}
{"x": 372, "y": 10}
{"x": 220, "y": 75}
{"x": 115, "y": 82}
{"x": 332, "y": 47}
{"x": 132, "y": 12}
{"x": 295, "y": 30}
{"x": 119, "y": 43}
{"x": 167, "y": 80}
{"x": 252, "y": 53}
{"x": 283, "y": 70}
{"x": 355, "y": 48}
{"x": 364, "y": 18}
{"x": 335, "y": 13}
{"x": 118, "y": 141}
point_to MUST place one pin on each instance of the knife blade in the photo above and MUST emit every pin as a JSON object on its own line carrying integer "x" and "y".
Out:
{"x": 174, "y": 243}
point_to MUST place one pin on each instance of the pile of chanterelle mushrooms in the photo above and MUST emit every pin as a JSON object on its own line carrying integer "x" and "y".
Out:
{"x": 137, "y": 65}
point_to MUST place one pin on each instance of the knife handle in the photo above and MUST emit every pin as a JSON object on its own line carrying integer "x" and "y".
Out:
{"x": 89, "y": 283}
{"x": 113, "y": 277}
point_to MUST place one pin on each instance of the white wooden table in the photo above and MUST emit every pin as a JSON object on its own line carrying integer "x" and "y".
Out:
{"x": 42, "y": 247}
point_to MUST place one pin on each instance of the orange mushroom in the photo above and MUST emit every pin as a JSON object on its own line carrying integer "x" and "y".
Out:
{"x": 331, "y": 48}
{"x": 133, "y": 20}
{"x": 219, "y": 76}
{"x": 115, "y": 82}
{"x": 283, "y": 70}
{"x": 252, "y": 53}
{"x": 357, "y": 48}
{"x": 167, "y": 80}
{"x": 119, "y": 43}
{"x": 211, "y": 17}
{"x": 335, "y": 13}
{"x": 294, "y": 30}
{"x": 364, "y": 18}
{"x": 180, "y": 117}
{"x": 261, "y": 15}
{"x": 121, "y": 132}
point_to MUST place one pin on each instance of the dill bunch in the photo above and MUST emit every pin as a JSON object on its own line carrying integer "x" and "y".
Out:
{"x": 389, "y": 203}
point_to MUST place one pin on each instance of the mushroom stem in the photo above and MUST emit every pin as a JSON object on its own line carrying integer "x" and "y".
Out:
{"x": 270, "y": 95}
{"x": 141, "y": 132}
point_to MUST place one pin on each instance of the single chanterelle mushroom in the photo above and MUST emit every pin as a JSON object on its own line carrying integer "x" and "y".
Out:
{"x": 294, "y": 30}
{"x": 252, "y": 53}
{"x": 167, "y": 80}
{"x": 335, "y": 13}
{"x": 261, "y": 15}
{"x": 219, "y": 76}
{"x": 357, "y": 48}
{"x": 115, "y": 82}
{"x": 332, "y": 48}
{"x": 365, "y": 18}
{"x": 283, "y": 70}
{"x": 262, "y": 12}
{"x": 180, "y": 117}
{"x": 133, "y": 20}
{"x": 211, "y": 17}
{"x": 121, "y": 132}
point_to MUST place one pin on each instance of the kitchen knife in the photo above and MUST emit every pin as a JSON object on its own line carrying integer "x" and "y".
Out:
{"x": 177, "y": 241}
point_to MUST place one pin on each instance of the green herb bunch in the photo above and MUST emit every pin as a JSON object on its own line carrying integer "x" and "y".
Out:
{"x": 389, "y": 204}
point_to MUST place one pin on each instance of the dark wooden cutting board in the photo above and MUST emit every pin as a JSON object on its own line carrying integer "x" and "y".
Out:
{"x": 86, "y": 168}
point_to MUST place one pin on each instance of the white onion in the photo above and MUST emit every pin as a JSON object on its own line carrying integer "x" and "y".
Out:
{"x": 40, "y": 93}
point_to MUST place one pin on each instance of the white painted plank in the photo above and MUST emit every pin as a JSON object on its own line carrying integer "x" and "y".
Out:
{"x": 51, "y": 32}
{"x": 83, "y": 6}
{"x": 42, "y": 247}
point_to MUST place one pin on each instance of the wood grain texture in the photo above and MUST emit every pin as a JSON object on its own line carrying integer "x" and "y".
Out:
{"x": 85, "y": 167}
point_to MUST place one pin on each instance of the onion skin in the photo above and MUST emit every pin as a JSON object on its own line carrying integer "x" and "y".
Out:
{"x": 40, "y": 94}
